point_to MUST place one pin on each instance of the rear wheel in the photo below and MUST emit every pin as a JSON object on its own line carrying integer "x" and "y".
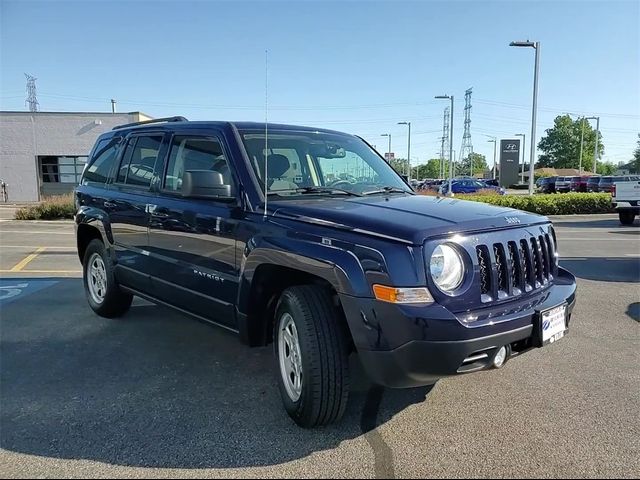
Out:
{"x": 627, "y": 217}
{"x": 312, "y": 349}
{"x": 103, "y": 293}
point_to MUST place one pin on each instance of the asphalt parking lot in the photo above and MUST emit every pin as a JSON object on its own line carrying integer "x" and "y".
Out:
{"x": 157, "y": 394}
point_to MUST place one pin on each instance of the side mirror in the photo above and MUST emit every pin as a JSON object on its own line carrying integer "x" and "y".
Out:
{"x": 205, "y": 184}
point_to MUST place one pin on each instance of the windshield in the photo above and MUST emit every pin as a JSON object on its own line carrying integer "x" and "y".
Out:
{"x": 301, "y": 163}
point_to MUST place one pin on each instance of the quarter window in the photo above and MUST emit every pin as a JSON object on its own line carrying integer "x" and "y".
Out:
{"x": 103, "y": 158}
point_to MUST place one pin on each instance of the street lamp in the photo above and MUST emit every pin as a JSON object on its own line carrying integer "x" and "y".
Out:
{"x": 493, "y": 140}
{"x": 408, "y": 148}
{"x": 522, "y": 148}
{"x": 389, "y": 154}
{"x": 532, "y": 156}
{"x": 449, "y": 97}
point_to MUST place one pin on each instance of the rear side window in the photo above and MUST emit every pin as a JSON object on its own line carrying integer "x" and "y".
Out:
{"x": 194, "y": 153}
{"x": 139, "y": 159}
{"x": 102, "y": 161}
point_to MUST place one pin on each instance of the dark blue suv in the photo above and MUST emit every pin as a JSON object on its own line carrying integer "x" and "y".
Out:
{"x": 308, "y": 239}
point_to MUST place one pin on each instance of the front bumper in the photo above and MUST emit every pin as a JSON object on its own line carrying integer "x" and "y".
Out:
{"x": 404, "y": 346}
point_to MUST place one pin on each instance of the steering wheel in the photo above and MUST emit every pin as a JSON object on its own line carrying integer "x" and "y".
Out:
{"x": 340, "y": 182}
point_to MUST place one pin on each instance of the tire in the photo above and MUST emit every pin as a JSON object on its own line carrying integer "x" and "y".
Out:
{"x": 104, "y": 295}
{"x": 627, "y": 217}
{"x": 323, "y": 356}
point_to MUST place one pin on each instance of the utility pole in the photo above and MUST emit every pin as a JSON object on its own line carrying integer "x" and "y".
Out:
{"x": 32, "y": 99}
{"x": 467, "y": 147}
{"x": 445, "y": 138}
{"x": 113, "y": 106}
{"x": 522, "y": 148}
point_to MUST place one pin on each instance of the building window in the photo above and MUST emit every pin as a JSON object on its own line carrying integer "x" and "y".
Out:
{"x": 61, "y": 169}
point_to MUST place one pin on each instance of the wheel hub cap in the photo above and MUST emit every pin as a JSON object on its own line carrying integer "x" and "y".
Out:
{"x": 290, "y": 357}
{"x": 97, "y": 278}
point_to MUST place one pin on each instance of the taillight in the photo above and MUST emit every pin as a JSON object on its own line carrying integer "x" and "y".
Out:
{"x": 613, "y": 190}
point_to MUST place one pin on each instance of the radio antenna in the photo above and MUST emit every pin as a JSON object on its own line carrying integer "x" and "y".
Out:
{"x": 266, "y": 128}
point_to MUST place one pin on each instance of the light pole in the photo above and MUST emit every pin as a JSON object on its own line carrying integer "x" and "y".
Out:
{"x": 522, "y": 148}
{"x": 595, "y": 153}
{"x": 389, "y": 154}
{"x": 450, "y": 97}
{"x": 408, "y": 148}
{"x": 493, "y": 140}
{"x": 532, "y": 156}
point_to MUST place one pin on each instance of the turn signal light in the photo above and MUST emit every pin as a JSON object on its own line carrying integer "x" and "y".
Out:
{"x": 402, "y": 295}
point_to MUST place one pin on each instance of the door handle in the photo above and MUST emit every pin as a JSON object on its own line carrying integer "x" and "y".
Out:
{"x": 110, "y": 204}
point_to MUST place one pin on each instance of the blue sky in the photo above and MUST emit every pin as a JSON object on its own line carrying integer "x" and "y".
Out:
{"x": 354, "y": 66}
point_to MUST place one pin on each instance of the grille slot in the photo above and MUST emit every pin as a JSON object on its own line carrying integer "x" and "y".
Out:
{"x": 485, "y": 269}
{"x": 527, "y": 268}
{"x": 515, "y": 266}
{"x": 537, "y": 261}
{"x": 501, "y": 267}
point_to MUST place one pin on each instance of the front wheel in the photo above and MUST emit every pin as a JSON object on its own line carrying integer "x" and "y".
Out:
{"x": 103, "y": 293}
{"x": 627, "y": 217}
{"x": 312, "y": 349}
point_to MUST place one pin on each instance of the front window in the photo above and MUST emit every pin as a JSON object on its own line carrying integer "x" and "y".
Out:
{"x": 306, "y": 162}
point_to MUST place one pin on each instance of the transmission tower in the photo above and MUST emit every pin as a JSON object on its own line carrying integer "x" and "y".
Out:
{"x": 444, "y": 146}
{"x": 32, "y": 99}
{"x": 467, "y": 147}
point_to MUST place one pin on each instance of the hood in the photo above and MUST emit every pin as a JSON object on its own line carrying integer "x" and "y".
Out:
{"x": 407, "y": 218}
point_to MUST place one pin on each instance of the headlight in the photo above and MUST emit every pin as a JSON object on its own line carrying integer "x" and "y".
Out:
{"x": 447, "y": 268}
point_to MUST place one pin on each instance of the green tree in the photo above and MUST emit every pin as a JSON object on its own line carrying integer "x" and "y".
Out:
{"x": 605, "y": 168}
{"x": 431, "y": 169}
{"x": 479, "y": 164}
{"x": 561, "y": 144}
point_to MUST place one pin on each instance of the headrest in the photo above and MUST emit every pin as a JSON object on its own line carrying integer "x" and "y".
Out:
{"x": 277, "y": 165}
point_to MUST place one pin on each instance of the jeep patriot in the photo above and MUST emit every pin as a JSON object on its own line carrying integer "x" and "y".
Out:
{"x": 306, "y": 238}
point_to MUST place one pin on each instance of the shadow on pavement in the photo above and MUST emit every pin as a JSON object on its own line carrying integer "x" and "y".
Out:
{"x": 156, "y": 389}
{"x": 633, "y": 311}
{"x": 606, "y": 269}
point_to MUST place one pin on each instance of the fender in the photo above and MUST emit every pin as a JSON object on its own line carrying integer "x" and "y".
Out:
{"x": 339, "y": 267}
{"x": 98, "y": 219}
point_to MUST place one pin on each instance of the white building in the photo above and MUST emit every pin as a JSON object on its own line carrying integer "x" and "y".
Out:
{"x": 43, "y": 153}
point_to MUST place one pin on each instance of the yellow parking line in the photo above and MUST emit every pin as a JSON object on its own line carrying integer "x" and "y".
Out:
{"x": 25, "y": 261}
{"x": 41, "y": 271}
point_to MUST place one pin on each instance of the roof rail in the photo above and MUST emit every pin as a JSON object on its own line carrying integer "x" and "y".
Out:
{"x": 155, "y": 120}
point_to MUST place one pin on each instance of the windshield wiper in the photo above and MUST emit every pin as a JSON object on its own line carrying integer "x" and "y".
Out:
{"x": 305, "y": 190}
{"x": 386, "y": 190}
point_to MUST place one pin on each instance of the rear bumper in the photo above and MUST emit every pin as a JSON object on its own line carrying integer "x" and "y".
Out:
{"x": 630, "y": 205}
{"x": 440, "y": 345}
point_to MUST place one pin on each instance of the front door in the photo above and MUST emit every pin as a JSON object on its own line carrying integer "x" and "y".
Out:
{"x": 192, "y": 242}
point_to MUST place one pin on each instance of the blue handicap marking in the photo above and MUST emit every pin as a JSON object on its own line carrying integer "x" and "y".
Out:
{"x": 12, "y": 289}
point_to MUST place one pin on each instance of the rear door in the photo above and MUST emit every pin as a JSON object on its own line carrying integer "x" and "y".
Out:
{"x": 128, "y": 203}
{"x": 192, "y": 242}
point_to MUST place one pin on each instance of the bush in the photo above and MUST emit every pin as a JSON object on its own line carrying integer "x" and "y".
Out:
{"x": 51, "y": 208}
{"x": 557, "y": 204}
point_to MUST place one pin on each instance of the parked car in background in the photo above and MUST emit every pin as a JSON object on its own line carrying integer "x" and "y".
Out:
{"x": 468, "y": 185}
{"x": 579, "y": 184}
{"x": 563, "y": 184}
{"x": 548, "y": 185}
{"x": 606, "y": 183}
{"x": 625, "y": 198}
{"x": 592, "y": 183}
